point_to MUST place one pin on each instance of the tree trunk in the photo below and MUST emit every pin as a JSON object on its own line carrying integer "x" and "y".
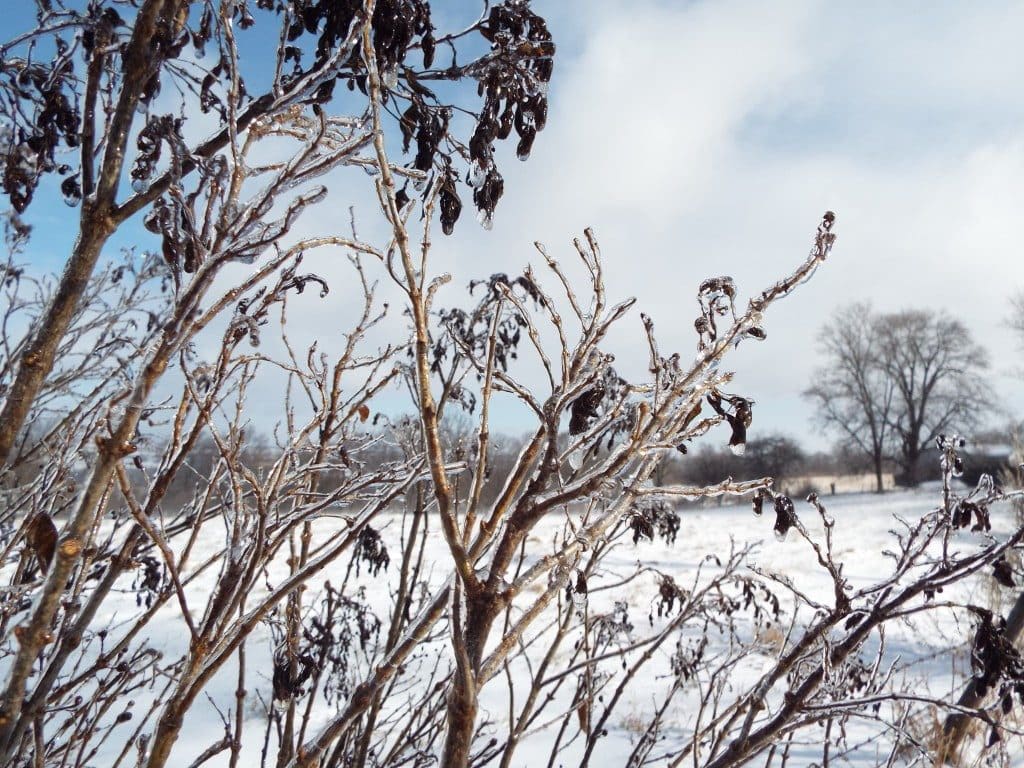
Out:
{"x": 166, "y": 735}
{"x": 462, "y": 711}
{"x": 37, "y": 360}
{"x": 462, "y": 698}
{"x": 879, "y": 485}
{"x": 911, "y": 461}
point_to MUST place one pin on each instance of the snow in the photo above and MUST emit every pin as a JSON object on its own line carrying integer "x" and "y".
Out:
{"x": 862, "y": 532}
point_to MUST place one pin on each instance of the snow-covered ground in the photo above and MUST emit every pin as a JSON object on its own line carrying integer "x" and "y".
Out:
{"x": 862, "y": 533}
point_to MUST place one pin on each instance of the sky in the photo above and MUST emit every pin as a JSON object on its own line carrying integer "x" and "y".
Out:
{"x": 707, "y": 138}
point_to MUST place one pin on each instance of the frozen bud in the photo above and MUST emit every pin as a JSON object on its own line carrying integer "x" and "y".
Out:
{"x": 758, "y": 503}
{"x": 581, "y": 583}
{"x": 578, "y": 592}
{"x": 785, "y": 516}
{"x": 985, "y": 485}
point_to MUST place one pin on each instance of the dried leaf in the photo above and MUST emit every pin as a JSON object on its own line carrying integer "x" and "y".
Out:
{"x": 1003, "y": 573}
{"x": 583, "y": 714}
{"x": 42, "y": 538}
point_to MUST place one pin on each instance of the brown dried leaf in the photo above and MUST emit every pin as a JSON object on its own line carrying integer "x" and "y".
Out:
{"x": 42, "y": 538}
{"x": 583, "y": 714}
{"x": 363, "y": 411}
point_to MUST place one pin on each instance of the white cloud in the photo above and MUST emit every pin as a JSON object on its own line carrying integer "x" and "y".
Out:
{"x": 705, "y": 138}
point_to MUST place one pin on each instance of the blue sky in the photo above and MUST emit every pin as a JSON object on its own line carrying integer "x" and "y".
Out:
{"x": 702, "y": 138}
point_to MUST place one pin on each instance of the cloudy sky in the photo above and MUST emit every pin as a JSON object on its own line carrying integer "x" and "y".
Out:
{"x": 703, "y": 138}
{"x": 707, "y": 138}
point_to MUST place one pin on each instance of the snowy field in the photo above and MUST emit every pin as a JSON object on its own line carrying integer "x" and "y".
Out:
{"x": 862, "y": 533}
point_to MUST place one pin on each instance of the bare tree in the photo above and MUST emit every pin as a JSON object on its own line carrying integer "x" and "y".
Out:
{"x": 852, "y": 394}
{"x": 107, "y": 70}
{"x": 211, "y": 203}
{"x": 938, "y": 373}
{"x": 348, "y": 576}
{"x": 894, "y": 382}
